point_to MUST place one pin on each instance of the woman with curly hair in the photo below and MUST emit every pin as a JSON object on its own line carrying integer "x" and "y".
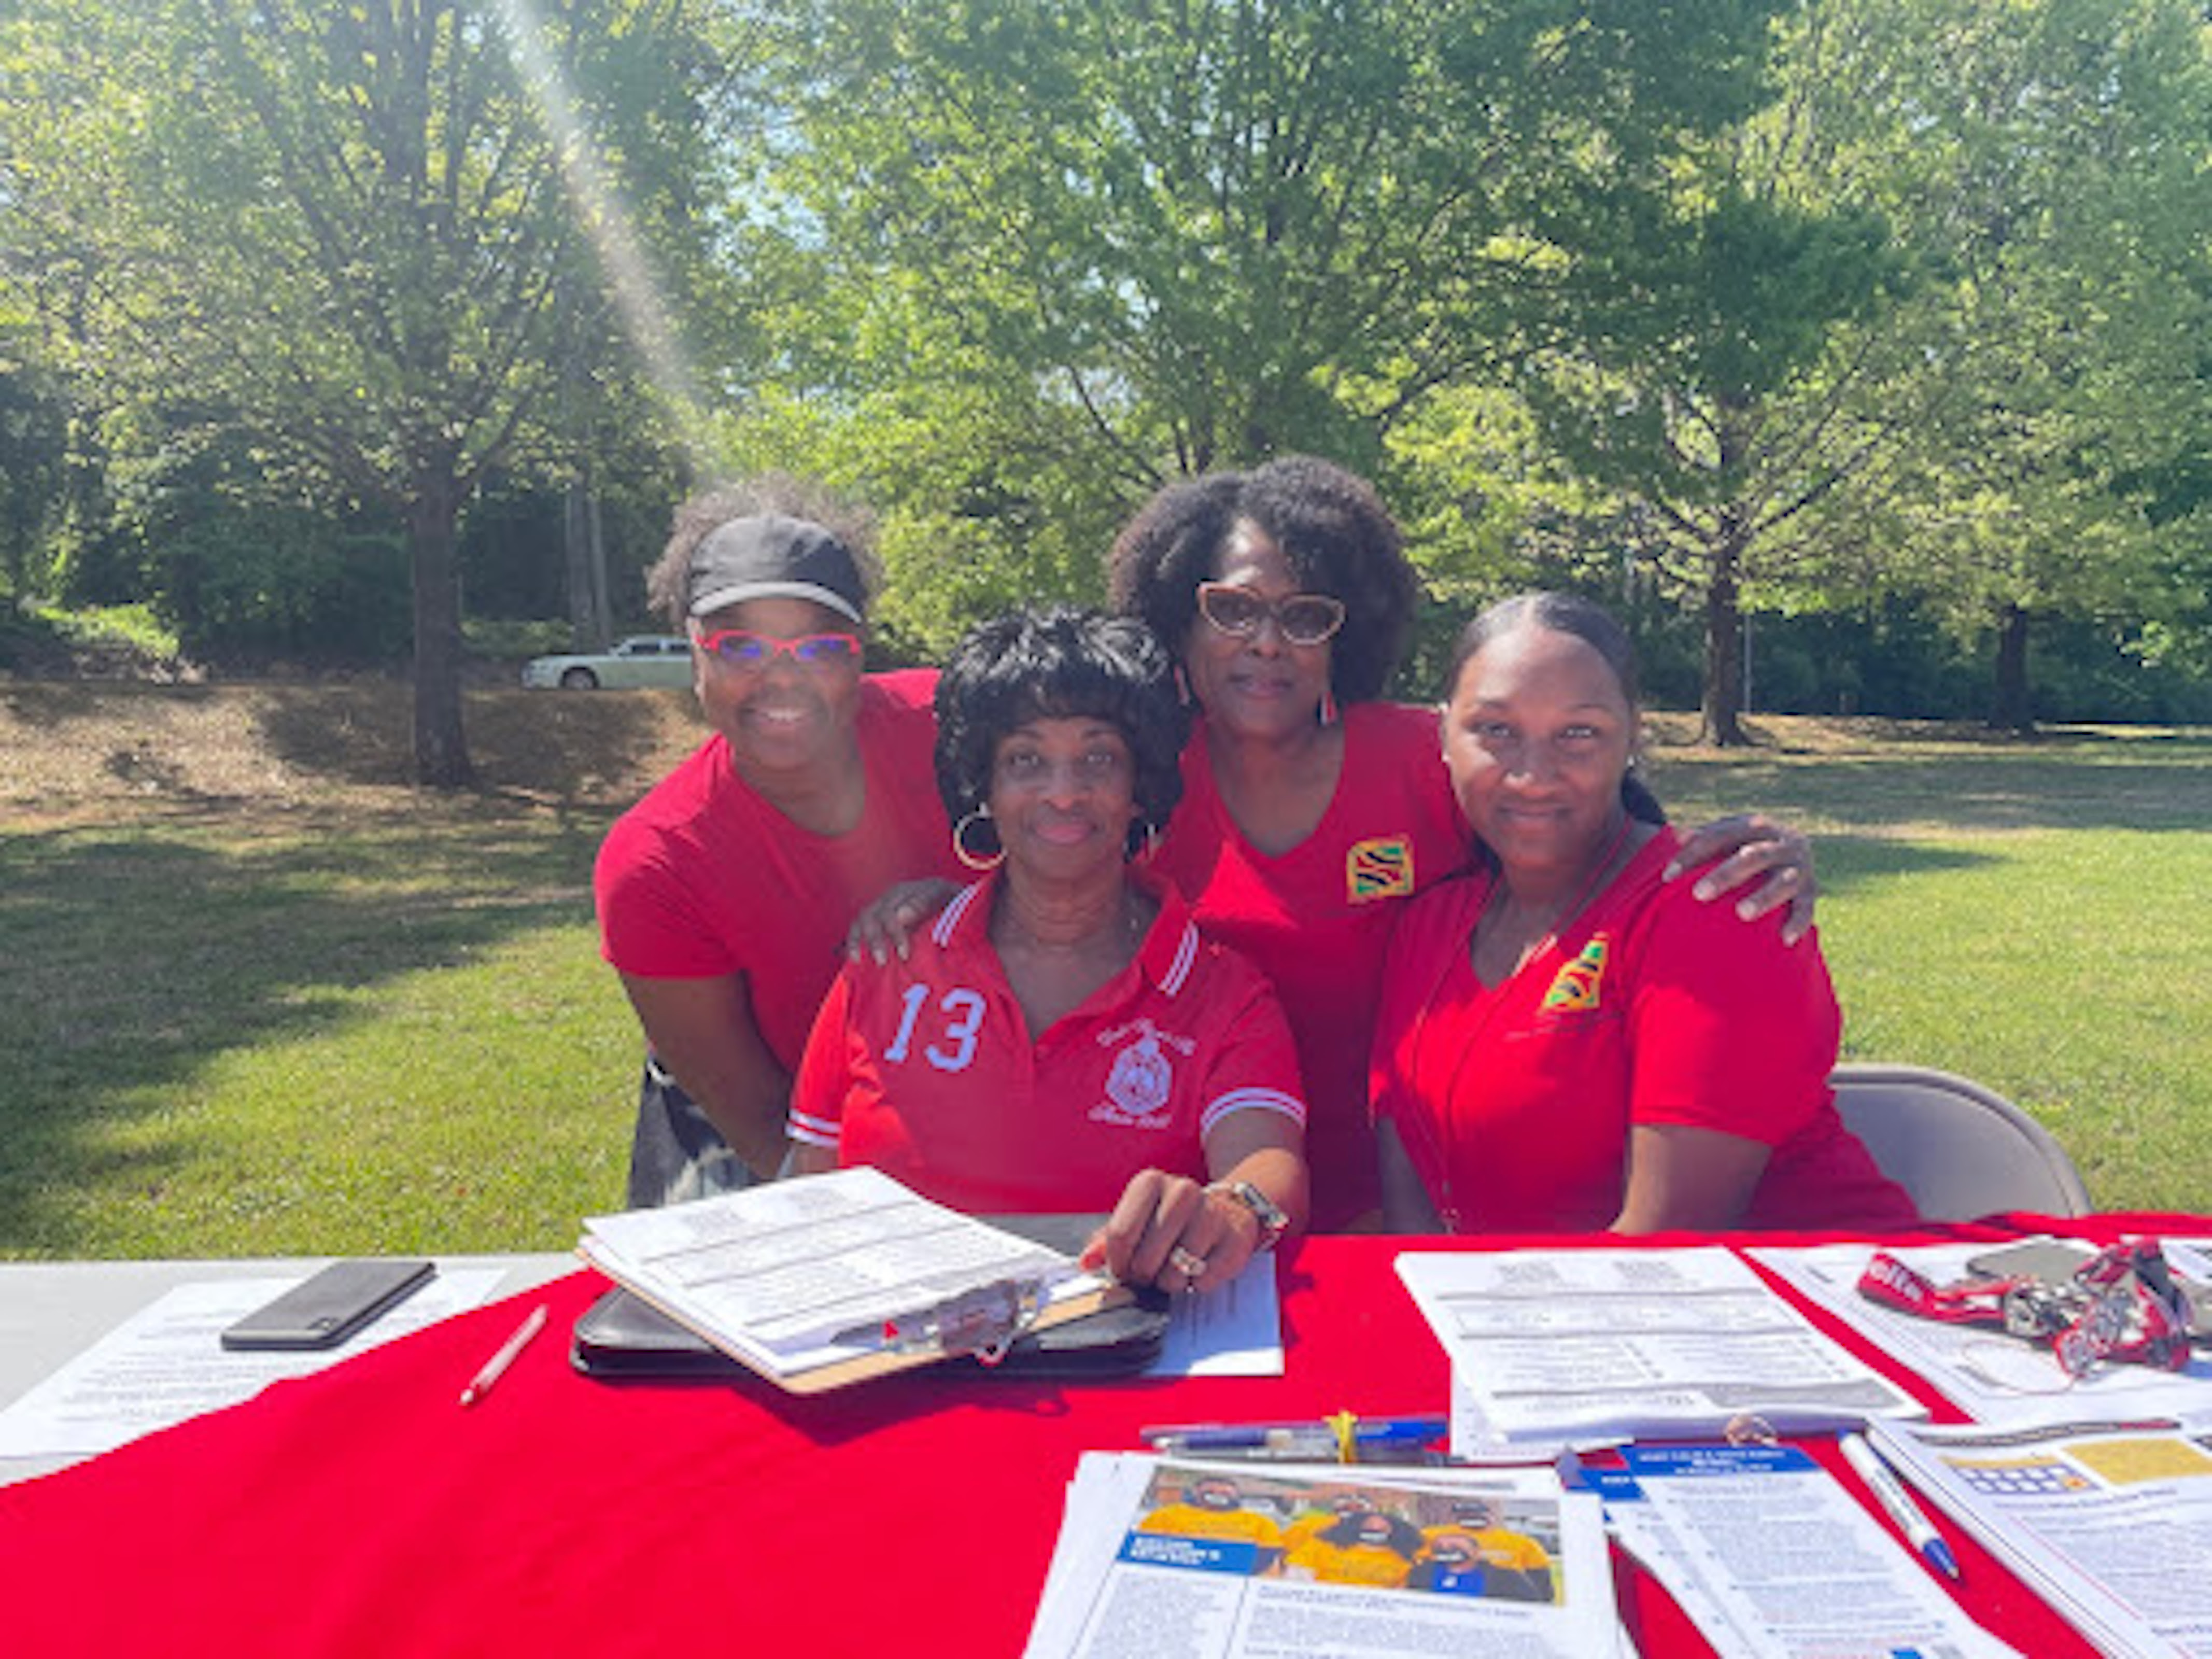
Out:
{"x": 1311, "y": 808}
{"x": 1062, "y": 1039}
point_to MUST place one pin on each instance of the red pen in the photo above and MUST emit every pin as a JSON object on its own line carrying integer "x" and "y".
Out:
{"x": 496, "y": 1367}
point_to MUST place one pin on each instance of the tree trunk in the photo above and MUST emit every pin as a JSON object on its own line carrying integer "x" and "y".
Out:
{"x": 442, "y": 750}
{"x": 1722, "y": 721}
{"x": 2010, "y": 712}
{"x": 591, "y": 624}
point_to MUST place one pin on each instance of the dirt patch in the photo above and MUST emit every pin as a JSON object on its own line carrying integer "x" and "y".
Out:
{"x": 71, "y": 749}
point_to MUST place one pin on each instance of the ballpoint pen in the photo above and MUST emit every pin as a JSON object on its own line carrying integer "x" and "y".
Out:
{"x": 496, "y": 1367}
{"x": 1343, "y": 1437}
{"x": 1889, "y": 1491}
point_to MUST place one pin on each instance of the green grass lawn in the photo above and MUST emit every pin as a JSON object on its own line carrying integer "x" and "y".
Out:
{"x": 2031, "y": 916}
{"x": 331, "y": 1015}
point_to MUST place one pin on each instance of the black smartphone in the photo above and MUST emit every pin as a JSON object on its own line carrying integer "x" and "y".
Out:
{"x": 330, "y": 1304}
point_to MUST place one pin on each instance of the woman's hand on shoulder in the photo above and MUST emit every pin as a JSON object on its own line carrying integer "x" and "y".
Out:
{"x": 881, "y": 931}
{"x": 1750, "y": 845}
{"x": 1170, "y": 1231}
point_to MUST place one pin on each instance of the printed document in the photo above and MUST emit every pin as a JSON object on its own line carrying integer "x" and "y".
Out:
{"x": 1991, "y": 1376}
{"x": 2110, "y": 1522}
{"x": 1292, "y": 1560}
{"x": 812, "y": 1282}
{"x": 165, "y": 1363}
{"x": 1773, "y": 1558}
{"x": 1558, "y": 1347}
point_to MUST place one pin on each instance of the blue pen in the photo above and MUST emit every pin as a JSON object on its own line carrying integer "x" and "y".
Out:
{"x": 1890, "y": 1493}
{"x": 1328, "y": 1439}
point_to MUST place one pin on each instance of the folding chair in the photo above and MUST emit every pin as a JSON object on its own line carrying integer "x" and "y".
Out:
{"x": 1962, "y": 1151}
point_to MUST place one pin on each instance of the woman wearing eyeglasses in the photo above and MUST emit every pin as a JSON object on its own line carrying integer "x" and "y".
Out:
{"x": 725, "y": 894}
{"x": 1310, "y": 810}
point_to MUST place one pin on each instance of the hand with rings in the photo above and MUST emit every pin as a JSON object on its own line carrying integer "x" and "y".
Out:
{"x": 1170, "y": 1231}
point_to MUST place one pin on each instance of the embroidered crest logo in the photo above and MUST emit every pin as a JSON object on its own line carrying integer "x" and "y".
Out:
{"x": 1576, "y": 986}
{"x": 1378, "y": 869}
{"x": 1143, "y": 1076}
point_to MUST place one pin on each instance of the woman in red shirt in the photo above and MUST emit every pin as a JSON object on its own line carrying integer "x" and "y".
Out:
{"x": 1566, "y": 1042}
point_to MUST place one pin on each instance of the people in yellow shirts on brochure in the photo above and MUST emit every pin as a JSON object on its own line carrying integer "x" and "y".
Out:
{"x": 1516, "y": 1567}
{"x": 1340, "y": 1507}
{"x": 1374, "y": 1548}
{"x": 1212, "y": 1506}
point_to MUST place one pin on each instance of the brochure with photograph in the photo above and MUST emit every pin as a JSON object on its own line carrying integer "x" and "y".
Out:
{"x": 1325, "y": 1559}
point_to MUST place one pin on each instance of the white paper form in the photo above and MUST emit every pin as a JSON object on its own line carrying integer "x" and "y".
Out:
{"x": 2110, "y": 1522}
{"x": 1991, "y": 1376}
{"x": 1551, "y": 1348}
{"x": 167, "y": 1363}
{"x": 1134, "y": 1564}
{"x": 1233, "y": 1330}
{"x": 1771, "y": 1558}
{"x": 796, "y": 1275}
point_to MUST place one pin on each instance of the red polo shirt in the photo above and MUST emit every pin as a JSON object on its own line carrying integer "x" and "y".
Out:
{"x": 925, "y": 1068}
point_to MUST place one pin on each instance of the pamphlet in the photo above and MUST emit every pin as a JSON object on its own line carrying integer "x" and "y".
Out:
{"x": 1773, "y": 1558}
{"x": 1572, "y": 1347}
{"x": 1293, "y": 1559}
{"x": 2110, "y": 1522}
{"x": 822, "y": 1281}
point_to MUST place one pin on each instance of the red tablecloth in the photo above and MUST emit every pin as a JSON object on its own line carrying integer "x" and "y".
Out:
{"x": 360, "y": 1512}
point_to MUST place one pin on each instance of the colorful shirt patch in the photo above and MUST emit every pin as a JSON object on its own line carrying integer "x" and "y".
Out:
{"x": 1379, "y": 869}
{"x": 1578, "y": 984}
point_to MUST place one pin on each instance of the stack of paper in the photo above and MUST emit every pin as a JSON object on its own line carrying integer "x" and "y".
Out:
{"x": 1292, "y": 1559}
{"x": 824, "y": 1281}
{"x": 1773, "y": 1558}
{"x": 1574, "y": 1347}
{"x": 2110, "y": 1522}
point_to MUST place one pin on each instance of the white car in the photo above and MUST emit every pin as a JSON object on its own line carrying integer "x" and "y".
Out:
{"x": 659, "y": 659}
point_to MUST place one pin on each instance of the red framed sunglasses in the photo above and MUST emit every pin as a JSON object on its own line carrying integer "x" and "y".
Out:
{"x": 739, "y": 647}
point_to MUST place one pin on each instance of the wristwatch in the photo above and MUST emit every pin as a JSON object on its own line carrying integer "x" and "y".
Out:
{"x": 1273, "y": 1223}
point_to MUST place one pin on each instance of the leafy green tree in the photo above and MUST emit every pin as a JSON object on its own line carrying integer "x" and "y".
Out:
{"x": 341, "y": 228}
{"x": 1726, "y": 335}
{"x": 34, "y": 446}
{"x": 2059, "y": 180}
{"x": 1128, "y": 241}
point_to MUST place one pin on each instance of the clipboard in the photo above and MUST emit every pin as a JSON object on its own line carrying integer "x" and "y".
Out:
{"x": 622, "y": 1336}
{"x": 981, "y": 1288}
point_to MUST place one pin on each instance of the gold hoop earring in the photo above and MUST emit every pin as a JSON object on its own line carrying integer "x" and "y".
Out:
{"x": 982, "y": 863}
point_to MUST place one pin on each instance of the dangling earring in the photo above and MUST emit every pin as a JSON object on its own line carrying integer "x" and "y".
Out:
{"x": 984, "y": 863}
{"x": 1183, "y": 687}
{"x": 1328, "y": 711}
{"x": 1142, "y": 842}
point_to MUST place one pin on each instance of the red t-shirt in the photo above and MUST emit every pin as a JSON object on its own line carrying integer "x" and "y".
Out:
{"x": 1316, "y": 921}
{"x": 1514, "y": 1102}
{"x": 702, "y": 877}
{"x": 925, "y": 1068}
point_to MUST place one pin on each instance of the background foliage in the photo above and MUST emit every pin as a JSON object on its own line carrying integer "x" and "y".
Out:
{"x": 1877, "y": 326}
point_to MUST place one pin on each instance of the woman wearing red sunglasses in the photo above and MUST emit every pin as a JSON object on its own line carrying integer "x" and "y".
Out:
{"x": 724, "y": 896}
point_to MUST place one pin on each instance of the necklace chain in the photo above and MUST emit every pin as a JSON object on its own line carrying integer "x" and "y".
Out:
{"x": 1573, "y": 907}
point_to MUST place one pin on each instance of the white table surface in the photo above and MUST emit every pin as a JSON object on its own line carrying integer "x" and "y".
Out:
{"x": 52, "y": 1311}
